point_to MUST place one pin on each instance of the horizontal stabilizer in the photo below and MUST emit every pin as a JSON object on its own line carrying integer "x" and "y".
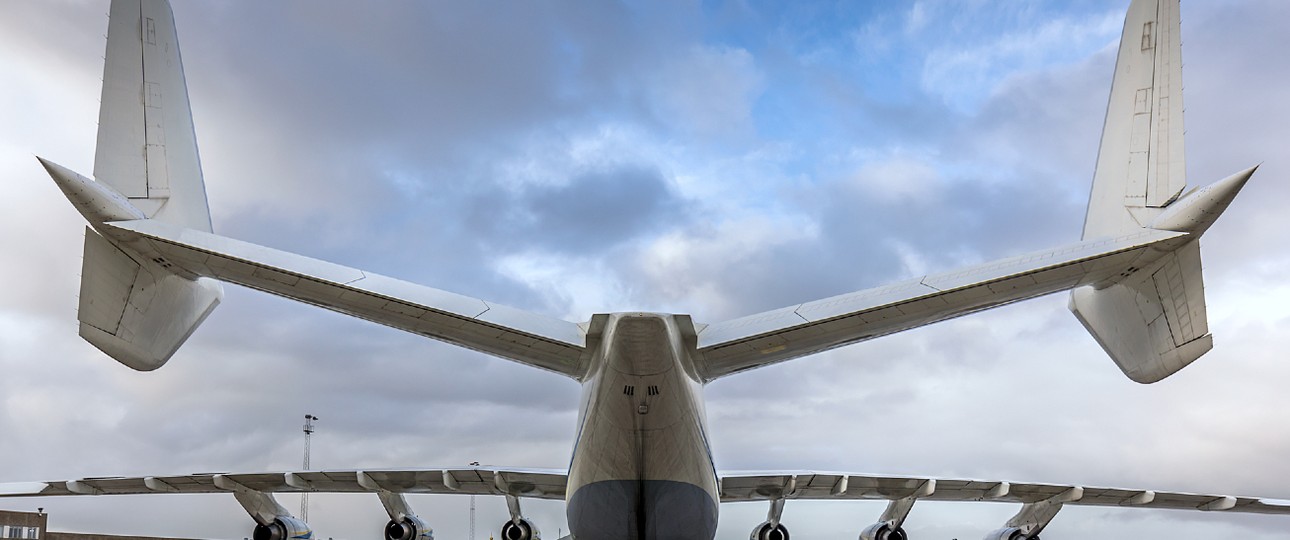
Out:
{"x": 137, "y": 311}
{"x": 528, "y": 338}
{"x": 774, "y": 336}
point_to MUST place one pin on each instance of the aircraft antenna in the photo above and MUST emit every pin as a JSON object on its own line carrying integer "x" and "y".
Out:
{"x": 304, "y": 497}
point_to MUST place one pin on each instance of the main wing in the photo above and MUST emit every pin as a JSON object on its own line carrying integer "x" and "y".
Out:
{"x": 527, "y": 483}
{"x": 1040, "y": 502}
{"x": 255, "y": 492}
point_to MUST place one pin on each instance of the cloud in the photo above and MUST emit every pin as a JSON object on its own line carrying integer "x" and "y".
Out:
{"x": 710, "y": 92}
{"x": 964, "y": 75}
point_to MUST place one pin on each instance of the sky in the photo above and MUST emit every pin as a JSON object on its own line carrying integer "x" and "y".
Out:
{"x": 715, "y": 158}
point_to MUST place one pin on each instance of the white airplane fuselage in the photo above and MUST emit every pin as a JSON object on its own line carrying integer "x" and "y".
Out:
{"x": 642, "y": 467}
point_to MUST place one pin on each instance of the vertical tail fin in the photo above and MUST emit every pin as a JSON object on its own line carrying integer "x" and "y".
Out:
{"x": 1140, "y": 164}
{"x": 134, "y": 306}
{"x": 1151, "y": 319}
{"x": 147, "y": 150}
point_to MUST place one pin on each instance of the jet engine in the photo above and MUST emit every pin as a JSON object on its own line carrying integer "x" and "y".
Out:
{"x": 410, "y": 528}
{"x": 1009, "y": 533}
{"x": 766, "y": 531}
{"x": 884, "y": 531}
{"x": 282, "y": 528}
{"x": 524, "y": 530}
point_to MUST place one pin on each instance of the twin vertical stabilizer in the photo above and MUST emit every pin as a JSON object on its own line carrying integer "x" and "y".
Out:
{"x": 1139, "y": 290}
{"x": 1151, "y": 319}
{"x": 134, "y": 306}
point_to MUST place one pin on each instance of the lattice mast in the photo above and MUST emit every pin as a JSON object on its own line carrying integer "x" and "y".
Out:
{"x": 309, "y": 433}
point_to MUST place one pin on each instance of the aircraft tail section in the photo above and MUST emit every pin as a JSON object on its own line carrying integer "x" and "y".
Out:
{"x": 1140, "y": 165}
{"x": 1150, "y": 320}
{"x": 134, "y": 306}
{"x": 136, "y": 310}
{"x": 1153, "y": 323}
{"x": 147, "y": 150}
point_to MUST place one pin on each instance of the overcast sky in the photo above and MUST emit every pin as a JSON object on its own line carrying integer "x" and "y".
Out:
{"x": 713, "y": 158}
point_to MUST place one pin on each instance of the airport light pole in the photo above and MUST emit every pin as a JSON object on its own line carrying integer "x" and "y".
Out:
{"x": 304, "y": 497}
{"x": 472, "y": 509}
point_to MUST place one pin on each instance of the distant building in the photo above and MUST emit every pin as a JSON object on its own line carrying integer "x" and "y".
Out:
{"x": 22, "y": 524}
{"x": 33, "y": 526}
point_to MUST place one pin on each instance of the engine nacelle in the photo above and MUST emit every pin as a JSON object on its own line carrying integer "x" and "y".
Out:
{"x": 283, "y": 528}
{"x": 1009, "y": 533}
{"x": 883, "y": 531}
{"x": 766, "y": 532}
{"x": 524, "y": 530}
{"x": 411, "y": 528}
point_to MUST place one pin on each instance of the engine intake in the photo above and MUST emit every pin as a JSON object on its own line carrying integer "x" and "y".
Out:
{"x": 411, "y": 528}
{"x": 283, "y": 528}
{"x": 884, "y": 531}
{"x": 524, "y": 530}
{"x": 766, "y": 532}
{"x": 1009, "y": 533}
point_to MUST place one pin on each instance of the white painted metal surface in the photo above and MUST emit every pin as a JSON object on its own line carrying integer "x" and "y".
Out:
{"x": 771, "y": 337}
{"x": 147, "y": 147}
{"x": 1140, "y": 166}
{"x": 528, "y": 338}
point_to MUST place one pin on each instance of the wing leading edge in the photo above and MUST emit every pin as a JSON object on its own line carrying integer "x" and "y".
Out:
{"x": 776, "y": 487}
{"x": 1040, "y": 502}
{"x": 746, "y": 486}
{"x": 528, "y": 483}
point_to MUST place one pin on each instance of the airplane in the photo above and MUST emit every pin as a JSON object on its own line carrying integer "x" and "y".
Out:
{"x": 641, "y": 464}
